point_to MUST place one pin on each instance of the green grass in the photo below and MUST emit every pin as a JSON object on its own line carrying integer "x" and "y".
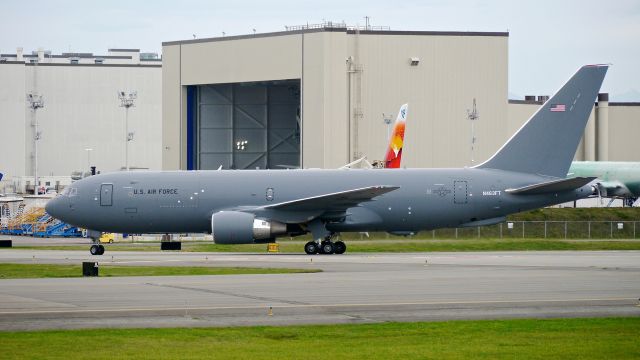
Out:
{"x": 25, "y": 271}
{"x": 578, "y": 214}
{"x": 491, "y": 245}
{"x": 404, "y": 245}
{"x": 614, "y": 338}
{"x": 390, "y": 245}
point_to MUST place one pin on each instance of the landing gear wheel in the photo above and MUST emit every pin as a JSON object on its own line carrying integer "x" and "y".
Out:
{"x": 100, "y": 249}
{"x": 339, "y": 247}
{"x": 327, "y": 248}
{"x": 95, "y": 250}
{"x": 311, "y": 248}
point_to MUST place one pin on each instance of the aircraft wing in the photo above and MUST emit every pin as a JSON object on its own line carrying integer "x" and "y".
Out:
{"x": 338, "y": 201}
{"x": 552, "y": 186}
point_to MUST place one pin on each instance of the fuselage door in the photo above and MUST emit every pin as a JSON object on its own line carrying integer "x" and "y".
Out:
{"x": 460, "y": 192}
{"x": 106, "y": 194}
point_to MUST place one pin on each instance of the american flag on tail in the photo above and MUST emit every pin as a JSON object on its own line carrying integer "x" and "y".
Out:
{"x": 558, "y": 108}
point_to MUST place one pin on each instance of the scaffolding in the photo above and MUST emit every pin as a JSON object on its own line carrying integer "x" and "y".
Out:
{"x": 36, "y": 222}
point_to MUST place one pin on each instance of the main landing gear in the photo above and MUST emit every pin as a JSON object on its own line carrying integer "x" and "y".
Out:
{"x": 325, "y": 247}
{"x": 96, "y": 250}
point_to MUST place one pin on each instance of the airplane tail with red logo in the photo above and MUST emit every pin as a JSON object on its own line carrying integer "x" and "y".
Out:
{"x": 396, "y": 140}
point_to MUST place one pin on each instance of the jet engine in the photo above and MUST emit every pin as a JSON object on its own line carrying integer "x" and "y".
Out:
{"x": 235, "y": 227}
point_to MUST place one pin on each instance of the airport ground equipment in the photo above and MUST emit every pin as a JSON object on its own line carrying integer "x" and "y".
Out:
{"x": 170, "y": 245}
{"x": 36, "y": 222}
{"x": 90, "y": 268}
{"x": 107, "y": 238}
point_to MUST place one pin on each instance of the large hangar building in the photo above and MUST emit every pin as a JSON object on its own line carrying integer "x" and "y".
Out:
{"x": 315, "y": 97}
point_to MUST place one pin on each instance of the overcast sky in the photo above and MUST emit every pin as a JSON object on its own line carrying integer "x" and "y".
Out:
{"x": 548, "y": 40}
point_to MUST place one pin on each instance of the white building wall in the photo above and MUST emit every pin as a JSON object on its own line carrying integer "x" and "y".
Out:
{"x": 81, "y": 111}
{"x": 324, "y": 93}
{"x": 453, "y": 70}
{"x": 12, "y": 120}
{"x": 243, "y": 60}
{"x": 171, "y": 109}
{"x": 624, "y": 127}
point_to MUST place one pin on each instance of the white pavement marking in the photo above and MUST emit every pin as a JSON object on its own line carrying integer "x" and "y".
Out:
{"x": 147, "y": 309}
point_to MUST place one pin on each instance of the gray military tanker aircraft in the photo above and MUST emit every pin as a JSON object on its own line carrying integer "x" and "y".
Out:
{"x": 246, "y": 206}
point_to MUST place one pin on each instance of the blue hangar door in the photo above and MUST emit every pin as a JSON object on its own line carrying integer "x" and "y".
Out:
{"x": 244, "y": 125}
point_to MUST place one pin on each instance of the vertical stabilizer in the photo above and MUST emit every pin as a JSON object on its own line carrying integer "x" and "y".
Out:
{"x": 547, "y": 142}
{"x": 396, "y": 140}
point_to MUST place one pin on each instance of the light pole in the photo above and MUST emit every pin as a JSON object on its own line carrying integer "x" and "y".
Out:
{"x": 88, "y": 150}
{"x": 127, "y": 101}
{"x": 35, "y": 102}
{"x": 473, "y": 115}
{"x": 387, "y": 120}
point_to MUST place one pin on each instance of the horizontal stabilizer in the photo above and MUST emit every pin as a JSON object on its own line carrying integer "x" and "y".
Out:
{"x": 338, "y": 201}
{"x": 552, "y": 186}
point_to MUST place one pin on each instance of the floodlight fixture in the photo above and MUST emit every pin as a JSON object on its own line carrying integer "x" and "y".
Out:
{"x": 127, "y": 100}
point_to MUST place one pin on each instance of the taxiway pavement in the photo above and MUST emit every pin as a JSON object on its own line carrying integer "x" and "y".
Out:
{"x": 353, "y": 288}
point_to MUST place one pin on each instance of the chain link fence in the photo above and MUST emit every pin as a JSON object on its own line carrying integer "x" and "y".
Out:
{"x": 545, "y": 229}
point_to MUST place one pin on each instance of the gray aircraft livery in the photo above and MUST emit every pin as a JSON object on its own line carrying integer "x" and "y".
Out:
{"x": 257, "y": 206}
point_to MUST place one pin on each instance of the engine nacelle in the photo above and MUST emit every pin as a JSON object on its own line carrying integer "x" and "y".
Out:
{"x": 236, "y": 227}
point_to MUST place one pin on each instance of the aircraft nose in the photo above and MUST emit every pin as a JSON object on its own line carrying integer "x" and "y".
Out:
{"x": 56, "y": 207}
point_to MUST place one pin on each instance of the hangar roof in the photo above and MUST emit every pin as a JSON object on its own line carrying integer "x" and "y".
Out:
{"x": 334, "y": 29}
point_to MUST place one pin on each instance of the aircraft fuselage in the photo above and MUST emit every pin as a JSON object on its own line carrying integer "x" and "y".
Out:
{"x": 184, "y": 201}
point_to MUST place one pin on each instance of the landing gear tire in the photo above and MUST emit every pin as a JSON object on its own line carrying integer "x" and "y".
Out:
{"x": 327, "y": 248}
{"x": 339, "y": 247}
{"x": 311, "y": 248}
{"x": 96, "y": 250}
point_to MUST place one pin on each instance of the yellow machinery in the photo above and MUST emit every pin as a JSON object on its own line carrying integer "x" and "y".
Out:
{"x": 107, "y": 238}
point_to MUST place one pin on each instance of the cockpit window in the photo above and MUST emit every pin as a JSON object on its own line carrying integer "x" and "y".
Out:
{"x": 69, "y": 191}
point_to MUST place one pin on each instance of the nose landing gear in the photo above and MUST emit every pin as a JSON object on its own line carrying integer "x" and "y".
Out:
{"x": 96, "y": 250}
